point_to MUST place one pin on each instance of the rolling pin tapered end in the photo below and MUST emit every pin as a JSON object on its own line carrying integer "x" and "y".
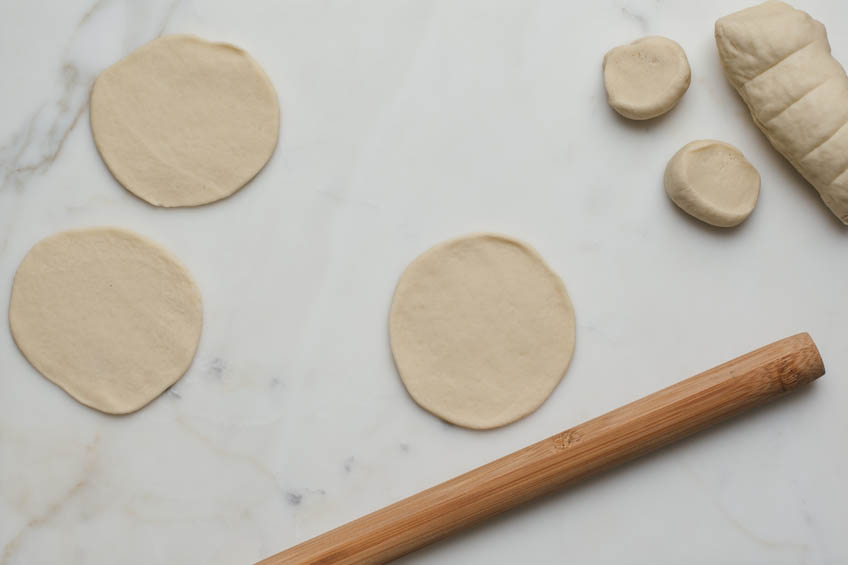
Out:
{"x": 803, "y": 363}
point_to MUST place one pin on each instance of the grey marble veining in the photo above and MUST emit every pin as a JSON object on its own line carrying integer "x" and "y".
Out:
{"x": 403, "y": 124}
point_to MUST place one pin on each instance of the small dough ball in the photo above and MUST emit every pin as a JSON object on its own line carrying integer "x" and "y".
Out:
{"x": 182, "y": 121}
{"x": 481, "y": 329}
{"x": 646, "y": 78}
{"x": 107, "y": 315}
{"x": 713, "y": 181}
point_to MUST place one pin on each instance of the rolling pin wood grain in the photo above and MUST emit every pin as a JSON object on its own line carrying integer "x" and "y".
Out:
{"x": 623, "y": 434}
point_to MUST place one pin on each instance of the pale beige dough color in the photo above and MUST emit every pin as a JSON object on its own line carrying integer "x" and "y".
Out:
{"x": 182, "y": 121}
{"x": 481, "y": 330}
{"x": 107, "y": 315}
{"x": 778, "y": 60}
{"x": 712, "y": 181}
{"x": 646, "y": 78}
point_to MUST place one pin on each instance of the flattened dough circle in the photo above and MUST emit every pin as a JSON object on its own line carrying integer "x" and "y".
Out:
{"x": 712, "y": 181}
{"x": 481, "y": 329}
{"x": 182, "y": 121}
{"x": 646, "y": 78}
{"x": 109, "y": 316}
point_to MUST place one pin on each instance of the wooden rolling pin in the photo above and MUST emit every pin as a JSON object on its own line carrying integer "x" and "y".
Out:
{"x": 625, "y": 433}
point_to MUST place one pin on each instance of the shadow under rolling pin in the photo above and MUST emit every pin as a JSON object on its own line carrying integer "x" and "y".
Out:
{"x": 618, "y": 436}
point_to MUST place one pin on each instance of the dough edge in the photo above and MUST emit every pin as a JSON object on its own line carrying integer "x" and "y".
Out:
{"x": 560, "y": 289}
{"x": 658, "y": 107}
{"x": 836, "y": 203}
{"x": 678, "y": 188}
{"x": 166, "y": 253}
{"x": 213, "y": 196}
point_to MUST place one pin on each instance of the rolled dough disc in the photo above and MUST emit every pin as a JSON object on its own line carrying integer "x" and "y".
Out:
{"x": 646, "y": 78}
{"x": 712, "y": 181}
{"x": 182, "y": 121}
{"x": 109, "y": 316}
{"x": 481, "y": 330}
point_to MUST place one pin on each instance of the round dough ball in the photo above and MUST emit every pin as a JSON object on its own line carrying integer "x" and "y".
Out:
{"x": 713, "y": 181}
{"x": 646, "y": 78}
{"x": 481, "y": 330}
{"x": 182, "y": 121}
{"x": 107, "y": 315}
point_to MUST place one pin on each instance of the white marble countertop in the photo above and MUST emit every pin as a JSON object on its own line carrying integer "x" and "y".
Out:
{"x": 405, "y": 123}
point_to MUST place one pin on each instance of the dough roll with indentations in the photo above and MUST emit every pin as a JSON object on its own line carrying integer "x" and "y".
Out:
{"x": 778, "y": 59}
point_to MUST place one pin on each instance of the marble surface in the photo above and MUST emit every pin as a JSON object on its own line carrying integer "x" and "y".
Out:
{"x": 405, "y": 123}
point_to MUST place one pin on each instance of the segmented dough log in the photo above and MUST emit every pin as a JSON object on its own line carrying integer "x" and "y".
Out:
{"x": 778, "y": 59}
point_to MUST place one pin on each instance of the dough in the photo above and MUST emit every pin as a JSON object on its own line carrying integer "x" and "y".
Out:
{"x": 713, "y": 181}
{"x": 646, "y": 78}
{"x": 778, "y": 60}
{"x": 182, "y": 121}
{"x": 107, "y": 315}
{"x": 481, "y": 330}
